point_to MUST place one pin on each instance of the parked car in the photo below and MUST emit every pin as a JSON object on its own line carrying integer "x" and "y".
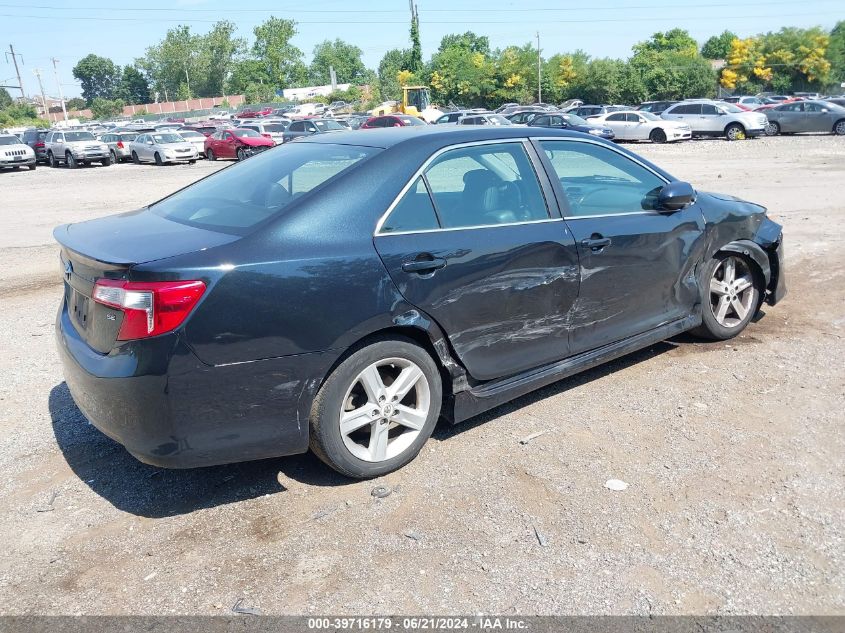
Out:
{"x": 452, "y": 117}
{"x": 746, "y": 102}
{"x": 304, "y": 110}
{"x": 313, "y": 296}
{"x": 568, "y": 121}
{"x": 74, "y": 148}
{"x": 272, "y": 129}
{"x": 236, "y": 143}
{"x": 15, "y": 153}
{"x": 307, "y": 127}
{"x": 716, "y": 118}
{"x": 587, "y": 111}
{"x": 197, "y": 139}
{"x": 524, "y": 116}
{"x": 204, "y": 129}
{"x": 251, "y": 113}
{"x": 506, "y": 106}
{"x": 806, "y": 116}
{"x": 487, "y": 118}
{"x": 643, "y": 126}
{"x": 655, "y": 107}
{"x": 161, "y": 148}
{"x": 840, "y": 101}
{"x": 35, "y": 139}
{"x": 118, "y": 143}
{"x": 392, "y": 120}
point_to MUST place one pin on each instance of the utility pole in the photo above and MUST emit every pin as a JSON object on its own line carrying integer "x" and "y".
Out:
{"x": 539, "y": 71}
{"x": 37, "y": 72}
{"x": 59, "y": 85}
{"x": 15, "y": 60}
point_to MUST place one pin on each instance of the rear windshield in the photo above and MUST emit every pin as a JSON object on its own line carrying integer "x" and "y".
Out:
{"x": 245, "y": 133}
{"x": 78, "y": 136}
{"x": 128, "y": 136}
{"x": 238, "y": 198}
{"x": 274, "y": 127}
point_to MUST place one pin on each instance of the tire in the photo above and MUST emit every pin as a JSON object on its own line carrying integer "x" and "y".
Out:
{"x": 159, "y": 162}
{"x": 32, "y": 167}
{"x": 72, "y": 163}
{"x": 735, "y": 132}
{"x": 773, "y": 128}
{"x": 725, "y": 310}
{"x": 51, "y": 160}
{"x": 15, "y": 167}
{"x": 135, "y": 158}
{"x": 106, "y": 162}
{"x": 241, "y": 155}
{"x": 839, "y": 127}
{"x": 657, "y": 136}
{"x": 358, "y": 452}
{"x": 192, "y": 162}
{"x": 210, "y": 155}
{"x": 113, "y": 157}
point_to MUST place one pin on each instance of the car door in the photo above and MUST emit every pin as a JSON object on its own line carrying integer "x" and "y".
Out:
{"x": 711, "y": 119}
{"x": 790, "y": 117}
{"x": 227, "y": 145}
{"x": 637, "y": 265}
{"x": 639, "y": 128}
{"x": 475, "y": 242}
{"x": 816, "y": 118}
{"x": 139, "y": 146}
{"x": 618, "y": 122}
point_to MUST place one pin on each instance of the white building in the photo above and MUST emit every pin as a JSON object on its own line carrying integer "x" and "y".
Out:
{"x": 309, "y": 92}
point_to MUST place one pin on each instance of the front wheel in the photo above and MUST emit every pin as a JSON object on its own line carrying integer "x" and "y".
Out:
{"x": 159, "y": 162}
{"x": 72, "y": 163}
{"x": 839, "y": 128}
{"x": 113, "y": 157}
{"x": 51, "y": 160}
{"x": 135, "y": 158}
{"x": 772, "y": 128}
{"x": 210, "y": 155}
{"x": 106, "y": 162}
{"x": 731, "y": 294}
{"x": 657, "y": 136}
{"x": 241, "y": 155}
{"x": 32, "y": 167}
{"x": 735, "y": 132}
{"x": 377, "y": 408}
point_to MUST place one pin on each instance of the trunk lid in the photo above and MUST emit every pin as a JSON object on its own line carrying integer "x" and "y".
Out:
{"x": 108, "y": 248}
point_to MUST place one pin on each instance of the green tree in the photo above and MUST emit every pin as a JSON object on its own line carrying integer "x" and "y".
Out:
{"x": 99, "y": 76}
{"x": 246, "y": 72}
{"x": 133, "y": 86}
{"x": 282, "y": 60}
{"x": 345, "y": 58}
{"x": 415, "y": 60}
{"x": 462, "y": 71}
{"x": 516, "y": 74}
{"x": 106, "y": 108}
{"x": 677, "y": 40}
{"x": 216, "y": 59}
{"x": 836, "y": 54}
{"x": 718, "y": 46}
{"x": 76, "y": 103}
{"x": 561, "y": 75}
{"x": 469, "y": 41}
{"x": 668, "y": 66}
{"x": 172, "y": 63}
{"x": 391, "y": 64}
{"x": 5, "y": 99}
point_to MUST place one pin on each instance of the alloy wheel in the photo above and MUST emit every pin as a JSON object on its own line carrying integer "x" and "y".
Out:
{"x": 384, "y": 409}
{"x": 839, "y": 128}
{"x": 731, "y": 292}
{"x": 772, "y": 129}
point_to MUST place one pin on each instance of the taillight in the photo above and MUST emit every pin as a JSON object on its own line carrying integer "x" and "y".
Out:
{"x": 39, "y": 144}
{"x": 120, "y": 144}
{"x": 149, "y": 308}
{"x": 265, "y": 135}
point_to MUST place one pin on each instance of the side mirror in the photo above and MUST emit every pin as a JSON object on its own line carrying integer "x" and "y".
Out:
{"x": 825, "y": 110}
{"x": 675, "y": 196}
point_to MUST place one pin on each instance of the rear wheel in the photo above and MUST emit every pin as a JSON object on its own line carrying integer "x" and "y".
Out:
{"x": 772, "y": 128}
{"x": 135, "y": 158}
{"x": 71, "y": 161}
{"x": 657, "y": 136}
{"x": 376, "y": 409}
{"x": 730, "y": 296}
{"x": 839, "y": 127}
{"x": 159, "y": 162}
{"x": 735, "y": 132}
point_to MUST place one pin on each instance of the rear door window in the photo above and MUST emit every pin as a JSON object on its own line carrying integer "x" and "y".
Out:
{"x": 413, "y": 212}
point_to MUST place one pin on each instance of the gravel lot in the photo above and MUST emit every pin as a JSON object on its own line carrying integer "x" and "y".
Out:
{"x": 733, "y": 454}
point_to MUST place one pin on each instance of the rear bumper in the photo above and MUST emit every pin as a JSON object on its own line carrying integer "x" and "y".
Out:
{"x": 171, "y": 410}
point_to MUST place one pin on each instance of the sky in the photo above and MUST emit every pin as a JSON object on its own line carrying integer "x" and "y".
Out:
{"x": 70, "y": 29}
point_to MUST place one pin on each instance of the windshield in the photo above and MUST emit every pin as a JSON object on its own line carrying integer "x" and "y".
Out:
{"x": 190, "y": 134}
{"x": 574, "y": 119}
{"x": 274, "y": 127}
{"x": 650, "y": 116}
{"x": 166, "y": 139}
{"x": 237, "y": 199}
{"x": 240, "y": 133}
{"x": 328, "y": 125}
{"x": 79, "y": 136}
{"x": 9, "y": 140}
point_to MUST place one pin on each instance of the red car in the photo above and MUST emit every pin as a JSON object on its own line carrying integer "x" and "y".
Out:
{"x": 391, "y": 120}
{"x": 253, "y": 114}
{"x": 235, "y": 143}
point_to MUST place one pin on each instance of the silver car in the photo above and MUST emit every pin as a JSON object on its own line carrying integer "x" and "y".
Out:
{"x": 717, "y": 118}
{"x": 161, "y": 148}
{"x": 806, "y": 116}
{"x": 487, "y": 118}
{"x": 118, "y": 143}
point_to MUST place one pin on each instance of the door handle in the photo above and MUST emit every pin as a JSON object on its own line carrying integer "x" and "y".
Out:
{"x": 429, "y": 264}
{"x": 595, "y": 242}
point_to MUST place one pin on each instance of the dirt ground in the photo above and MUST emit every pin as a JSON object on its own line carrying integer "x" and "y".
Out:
{"x": 733, "y": 454}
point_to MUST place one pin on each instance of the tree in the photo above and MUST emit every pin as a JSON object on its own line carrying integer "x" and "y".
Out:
{"x": 561, "y": 74}
{"x": 516, "y": 74}
{"x": 718, "y": 46}
{"x": 677, "y": 40}
{"x": 75, "y": 104}
{"x": 99, "y": 76}
{"x": 469, "y": 41}
{"x": 133, "y": 86}
{"x": 5, "y": 99}
{"x": 282, "y": 60}
{"x": 259, "y": 93}
{"x": 415, "y": 63}
{"x": 345, "y": 58}
{"x": 836, "y": 53}
{"x": 391, "y": 64}
{"x": 216, "y": 56}
{"x": 668, "y": 66}
{"x": 246, "y": 72}
{"x": 170, "y": 64}
{"x": 462, "y": 70}
{"x": 106, "y": 108}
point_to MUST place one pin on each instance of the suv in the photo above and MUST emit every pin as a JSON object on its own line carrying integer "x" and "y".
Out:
{"x": 587, "y": 111}
{"x": 717, "y": 118}
{"x": 35, "y": 139}
{"x": 75, "y": 147}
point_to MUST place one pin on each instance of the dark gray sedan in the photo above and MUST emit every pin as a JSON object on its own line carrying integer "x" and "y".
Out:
{"x": 806, "y": 116}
